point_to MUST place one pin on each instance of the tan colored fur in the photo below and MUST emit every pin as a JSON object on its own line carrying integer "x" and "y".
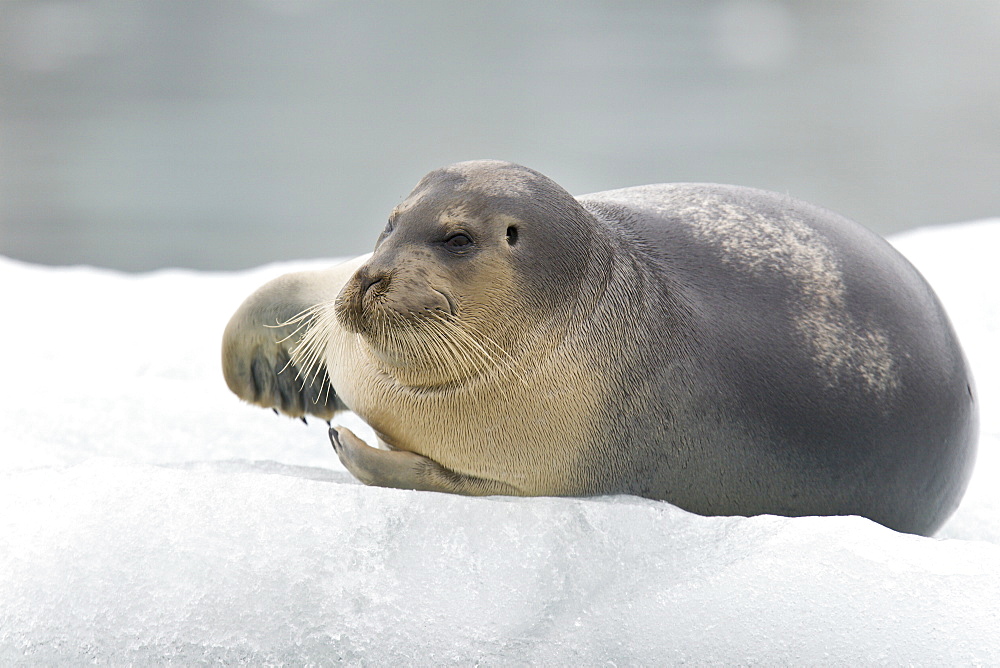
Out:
{"x": 523, "y": 418}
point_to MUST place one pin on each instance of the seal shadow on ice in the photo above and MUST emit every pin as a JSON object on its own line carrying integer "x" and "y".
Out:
{"x": 729, "y": 350}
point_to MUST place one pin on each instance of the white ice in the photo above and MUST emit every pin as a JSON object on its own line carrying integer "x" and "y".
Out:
{"x": 147, "y": 516}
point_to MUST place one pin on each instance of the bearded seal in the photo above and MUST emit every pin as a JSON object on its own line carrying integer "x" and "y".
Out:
{"x": 729, "y": 350}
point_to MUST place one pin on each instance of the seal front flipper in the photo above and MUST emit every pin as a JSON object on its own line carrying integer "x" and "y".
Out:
{"x": 258, "y": 342}
{"x": 406, "y": 470}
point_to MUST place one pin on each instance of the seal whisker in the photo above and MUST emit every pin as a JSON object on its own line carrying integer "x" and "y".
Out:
{"x": 457, "y": 359}
{"x": 303, "y": 319}
{"x": 487, "y": 349}
{"x": 458, "y": 337}
{"x": 456, "y": 356}
{"x": 309, "y": 353}
{"x": 446, "y": 357}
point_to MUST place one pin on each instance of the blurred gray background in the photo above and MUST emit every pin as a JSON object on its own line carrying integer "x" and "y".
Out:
{"x": 149, "y": 133}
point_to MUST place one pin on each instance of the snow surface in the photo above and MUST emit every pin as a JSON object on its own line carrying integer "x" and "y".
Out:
{"x": 147, "y": 516}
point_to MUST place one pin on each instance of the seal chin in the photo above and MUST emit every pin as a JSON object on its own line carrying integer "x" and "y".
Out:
{"x": 421, "y": 374}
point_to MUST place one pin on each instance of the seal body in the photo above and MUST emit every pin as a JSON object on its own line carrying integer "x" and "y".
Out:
{"x": 729, "y": 350}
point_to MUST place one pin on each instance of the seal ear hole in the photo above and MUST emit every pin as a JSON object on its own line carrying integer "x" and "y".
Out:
{"x": 511, "y": 235}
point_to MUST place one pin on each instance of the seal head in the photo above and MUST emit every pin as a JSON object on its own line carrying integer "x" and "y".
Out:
{"x": 467, "y": 267}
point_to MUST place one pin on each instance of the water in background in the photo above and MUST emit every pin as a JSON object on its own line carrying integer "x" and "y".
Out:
{"x": 220, "y": 135}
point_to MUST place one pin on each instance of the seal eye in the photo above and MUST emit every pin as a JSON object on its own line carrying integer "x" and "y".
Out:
{"x": 458, "y": 242}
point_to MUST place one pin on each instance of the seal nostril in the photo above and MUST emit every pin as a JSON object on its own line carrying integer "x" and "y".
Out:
{"x": 373, "y": 280}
